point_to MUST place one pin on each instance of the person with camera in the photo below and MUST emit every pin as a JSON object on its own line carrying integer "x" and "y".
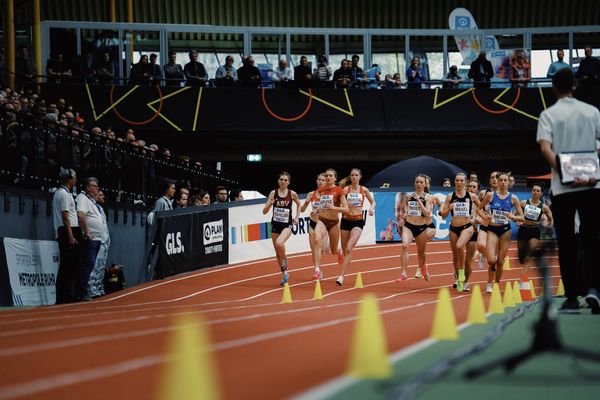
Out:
{"x": 573, "y": 127}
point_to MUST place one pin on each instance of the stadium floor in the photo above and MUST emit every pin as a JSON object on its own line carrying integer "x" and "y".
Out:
{"x": 116, "y": 346}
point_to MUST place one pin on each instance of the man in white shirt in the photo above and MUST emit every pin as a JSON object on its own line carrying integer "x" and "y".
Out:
{"x": 573, "y": 126}
{"x": 92, "y": 227}
{"x": 282, "y": 73}
{"x": 68, "y": 235}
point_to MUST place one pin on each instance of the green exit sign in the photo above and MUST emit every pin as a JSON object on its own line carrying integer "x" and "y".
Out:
{"x": 254, "y": 157}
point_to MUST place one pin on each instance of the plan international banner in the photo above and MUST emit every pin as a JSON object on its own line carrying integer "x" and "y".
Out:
{"x": 32, "y": 269}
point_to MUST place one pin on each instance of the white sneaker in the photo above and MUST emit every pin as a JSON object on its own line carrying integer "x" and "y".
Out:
{"x": 466, "y": 287}
{"x": 418, "y": 273}
{"x": 489, "y": 288}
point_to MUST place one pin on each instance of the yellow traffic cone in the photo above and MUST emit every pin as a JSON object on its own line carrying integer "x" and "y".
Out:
{"x": 509, "y": 298}
{"x": 359, "y": 283}
{"x": 533, "y": 295}
{"x": 444, "y": 322}
{"x": 190, "y": 372}
{"x": 369, "y": 354}
{"x": 287, "y": 294}
{"x": 560, "y": 290}
{"x": 506, "y": 266}
{"x": 496, "y": 306}
{"x": 517, "y": 293}
{"x": 318, "y": 294}
{"x": 476, "y": 313}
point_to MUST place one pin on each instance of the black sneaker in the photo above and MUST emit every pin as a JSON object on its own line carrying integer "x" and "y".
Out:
{"x": 593, "y": 301}
{"x": 570, "y": 306}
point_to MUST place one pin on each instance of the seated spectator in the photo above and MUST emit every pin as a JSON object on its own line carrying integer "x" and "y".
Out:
{"x": 589, "y": 69}
{"x": 520, "y": 70}
{"x": 194, "y": 71}
{"x": 322, "y": 72}
{"x": 104, "y": 70}
{"x": 452, "y": 79}
{"x": 558, "y": 64}
{"x": 236, "y": 195}
{"x": 220, "y": 194}
{"x": 356, "y": 72}
{"x": 343, "y": 76}
{"x": 248, "y": 74}
{"x": 414, "y": 74}
{"x": 373, "y": 76}
{"x": 205, "y": 197}
{"x": 282, "y": 74}
{"x": 173, "y": 71}
{"x": 141, "y": 73}
{"x": 396, "y": 82}
{"x": 56, "y": 68}
{"x": 155, "y": 70}
{"x": 302, "y": 73}
{"x": 226, "y": 74}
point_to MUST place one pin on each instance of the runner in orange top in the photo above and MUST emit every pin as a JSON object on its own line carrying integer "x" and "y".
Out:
{"x": 332, "y": 203}
{"x": 353, "y": 222}
{"x": 316, "y": 229}
{"x": 281, "y": 223}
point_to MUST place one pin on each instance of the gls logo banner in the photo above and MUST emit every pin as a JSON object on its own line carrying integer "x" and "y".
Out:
{"x": 213, "y": 232}
{"x": 173, "y": 243}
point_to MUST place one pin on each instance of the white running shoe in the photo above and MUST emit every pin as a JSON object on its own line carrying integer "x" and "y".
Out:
{"x": 466, "y": 287}
{"x": 418, "y": 274}
{"x": 489, "y": 287}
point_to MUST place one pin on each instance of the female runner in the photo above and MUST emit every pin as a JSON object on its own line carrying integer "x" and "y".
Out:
{"x": 332, "y": 203}
{"x": 352, "y": 222}
{"x": 528, "y": 237}
{"x": 417, "y": 227}
{"x": 473, "y": 187}
{"x": 460, "y": 204}
{"x": 482, "y": 235}
{"x": 316, "y": 229}
{"x": 281, "y": 200}
{"x": 499, "y": 230}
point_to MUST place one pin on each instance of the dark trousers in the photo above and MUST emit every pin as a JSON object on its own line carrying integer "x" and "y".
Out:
{"x": 68, "y": 269}
{"x": 578, "y": 273}
{"x": 89, "y": 252}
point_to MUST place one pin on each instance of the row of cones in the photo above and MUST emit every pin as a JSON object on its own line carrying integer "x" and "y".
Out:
{"x": 318, "y": 295}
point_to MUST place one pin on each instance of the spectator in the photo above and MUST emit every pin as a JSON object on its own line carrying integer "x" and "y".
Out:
{"x": 302, "y": 73}
{"x": 373, "y": 76}
{"x": 92, "y": 227}
{"x": 25, "y": 71}
{"x": 520, "y": 70}
{"x": 96, "y": 286}
{"x": 56, "y": 68}
{"x": 104, "y": 70}
{"x": 182, "y": 200}
{"x": 481, "y": 71}
{"x": 68, "y": 235}
{"x": 473, "y": 176}
{"x": 557, "y": 65}
{"x": 282, "y": 74}
{"x": 155, "y": 70}
{"x": 343, "y": 76}
{"x": 2, "y": 68}
{"x": 356, "y": 72}
{"x": 226, "y": 74}
{"x": 205, "y": 197}
{"x": 415, "y": 74}
{"x": 194, "y": 71}
{"x": 397, "y": 81}
{"x": 236, "y": 195}
{"x": 452, "y": 79}
{"x": 248, "y": 74}
{"x": 322, "y": 72}
{"x": 446, "y": 183}
{"x": 570, "y": 126}
{"x": 220, "y": 194}
{"x": 173, "y": 71}
{"x": 141, "y": 73}
{"x": 589, "y": 69}
{"x": 165, "y": 202}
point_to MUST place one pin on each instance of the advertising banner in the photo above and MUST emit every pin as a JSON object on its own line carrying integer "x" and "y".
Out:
{"x": 250, "y": 236}
{"x": 193, "y": 240}
{"x": 32, "y": 269}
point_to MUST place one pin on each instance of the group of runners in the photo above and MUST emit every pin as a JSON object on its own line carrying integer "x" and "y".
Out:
{"x": 479, "y": 225}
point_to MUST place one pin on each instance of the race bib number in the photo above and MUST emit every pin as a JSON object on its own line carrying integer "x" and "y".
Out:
{"x": 499, "y": 218}
{"x": 316, "y": 205}
{"x": 487, "y": 208}
{"x": 354, "y": 199}
{"x": 414, "y": 210}
{"x": 281, "y": 215}
{"x": 461, "y": 209}
{"x": 326, "y": 201}
{"x": 532, "y": 213}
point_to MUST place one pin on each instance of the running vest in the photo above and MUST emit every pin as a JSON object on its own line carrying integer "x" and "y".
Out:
{"x": 533, "y": 213}
{"x": 282, "y": 208}
{"x": 315, "y": 202}
{"x": 413, "y": 206}
{"x": 462, "y": 205}
{"x": 498, "y": 206}
{"x": 330, "y": 196}
{"x": 355, "y": 200}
